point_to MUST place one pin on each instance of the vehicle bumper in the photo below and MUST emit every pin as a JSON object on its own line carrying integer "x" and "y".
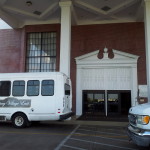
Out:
{"x": 138, "y": 136}
{"x": 65, "y": 116}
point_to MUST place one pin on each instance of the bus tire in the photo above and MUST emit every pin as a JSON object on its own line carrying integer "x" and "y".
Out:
{"x": 19, "y": 120}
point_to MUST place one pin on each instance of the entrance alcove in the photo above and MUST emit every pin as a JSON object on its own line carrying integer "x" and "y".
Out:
{"x": 104, "y": 76}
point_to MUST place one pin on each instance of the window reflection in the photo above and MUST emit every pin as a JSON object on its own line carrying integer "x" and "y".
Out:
{"x": 112, "y": 97}
{"x": 41, "y": 52}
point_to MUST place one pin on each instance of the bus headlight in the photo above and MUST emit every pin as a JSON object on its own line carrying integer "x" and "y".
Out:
{"x": 143, "y": 119}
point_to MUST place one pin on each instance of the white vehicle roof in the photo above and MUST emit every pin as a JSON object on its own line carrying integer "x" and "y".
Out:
{"x": 29, "y": 75}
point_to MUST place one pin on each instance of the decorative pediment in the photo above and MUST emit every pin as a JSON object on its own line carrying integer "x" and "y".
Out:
{"x": 119, "y": 58}
{"x": 124, "y": 55}
{"x": 90, "y": 56}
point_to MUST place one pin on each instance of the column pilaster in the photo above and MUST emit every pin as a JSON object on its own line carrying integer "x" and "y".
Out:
{"x": 65, "y": 38}
{"x": 147, "y": 41}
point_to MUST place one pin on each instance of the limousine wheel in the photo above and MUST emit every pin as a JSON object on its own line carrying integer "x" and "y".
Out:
{"x": 19, "y": 120}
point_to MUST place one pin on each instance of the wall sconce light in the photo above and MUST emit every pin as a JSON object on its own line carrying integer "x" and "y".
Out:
{"x": 28, "y": 3}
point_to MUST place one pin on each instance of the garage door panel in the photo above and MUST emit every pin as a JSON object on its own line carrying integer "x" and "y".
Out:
{"x": 106, "y": 78}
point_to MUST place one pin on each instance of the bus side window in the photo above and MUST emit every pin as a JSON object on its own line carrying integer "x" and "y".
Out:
{"x": 33, "y": 88}
{"x": 67, "y": 89}
{"x": 47, "y": 88}
{"x": 5, "y": 87}
{"x": 18, "y": 88}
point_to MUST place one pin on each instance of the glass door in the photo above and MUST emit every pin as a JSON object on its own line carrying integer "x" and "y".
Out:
{"x": 94, "y": 102}
{"x": 106, "y": 103}
{"x": 113, "y": 103}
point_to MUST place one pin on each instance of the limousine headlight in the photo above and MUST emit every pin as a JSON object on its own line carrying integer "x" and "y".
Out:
{"x": 143, "y": 119}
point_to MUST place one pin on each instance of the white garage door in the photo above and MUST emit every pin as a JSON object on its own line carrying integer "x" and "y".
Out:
{"x": 106, "y": 79}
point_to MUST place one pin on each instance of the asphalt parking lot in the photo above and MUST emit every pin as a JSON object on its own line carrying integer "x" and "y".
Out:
{"x": 37, "y": 137}
{"x": 92, "y": 137}
{"x": 55, "y": 136}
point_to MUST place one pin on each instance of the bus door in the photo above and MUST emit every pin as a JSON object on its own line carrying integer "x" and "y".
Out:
{"x": 67, "y": 101}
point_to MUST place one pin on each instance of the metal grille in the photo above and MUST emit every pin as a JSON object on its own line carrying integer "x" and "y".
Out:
{"x": 41, "y": 52}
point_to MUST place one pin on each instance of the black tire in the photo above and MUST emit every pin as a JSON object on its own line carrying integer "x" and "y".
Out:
{"x": 20, "y": 120}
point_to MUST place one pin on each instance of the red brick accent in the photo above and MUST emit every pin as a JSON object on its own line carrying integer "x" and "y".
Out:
{"x": 13, "y": 46}
{"x": 126, "y": 37}
{"x": 10, "y": 46}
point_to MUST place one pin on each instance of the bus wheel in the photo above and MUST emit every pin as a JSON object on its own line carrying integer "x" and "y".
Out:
{"x": 19, "y": 120}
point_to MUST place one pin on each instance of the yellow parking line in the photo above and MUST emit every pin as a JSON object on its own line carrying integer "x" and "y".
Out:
{"x": 75, "y": 134}
{"x": 31, "y": 133}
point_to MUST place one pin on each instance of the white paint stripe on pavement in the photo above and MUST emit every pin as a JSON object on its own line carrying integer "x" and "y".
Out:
{"x": 108, "y": 129}
{"x": 100, "y": 132}
{"x": 110, "y": 145}
{"x": 63, "y": 142}
{"x": 77, "y": 148}
{"x": 99, "y": 136}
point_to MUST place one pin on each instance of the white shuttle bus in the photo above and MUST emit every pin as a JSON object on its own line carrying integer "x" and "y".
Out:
{"x": 27, "y": 97}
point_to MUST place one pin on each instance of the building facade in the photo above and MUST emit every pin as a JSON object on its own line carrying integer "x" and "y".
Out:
{"x": 107, "y": 60}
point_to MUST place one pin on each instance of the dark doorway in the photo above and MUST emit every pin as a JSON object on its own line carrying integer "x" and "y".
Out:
{"x": 94, "y": 102}
{"x": 111, "y": 103}
{"x": 125, "y": 102}
{"x": 118, "y": 102}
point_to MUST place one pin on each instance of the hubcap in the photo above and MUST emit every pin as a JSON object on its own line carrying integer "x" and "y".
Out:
{"x": 19, "y": 121}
